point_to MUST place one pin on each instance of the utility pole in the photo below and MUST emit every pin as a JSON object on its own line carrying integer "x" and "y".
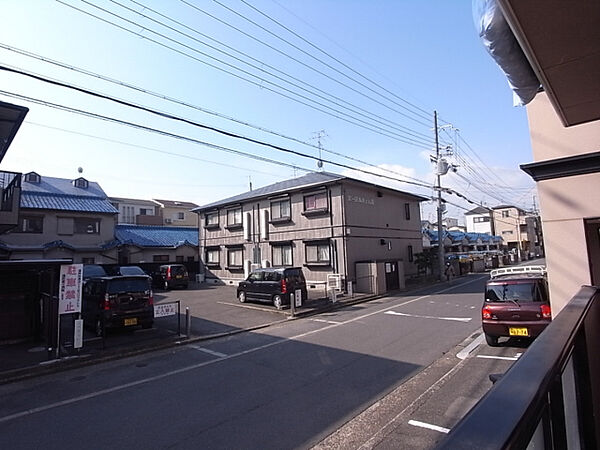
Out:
{"x": 438, "y": 188}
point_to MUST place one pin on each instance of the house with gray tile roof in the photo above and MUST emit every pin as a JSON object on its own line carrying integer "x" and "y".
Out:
{"x": 323, "y": 222}
{"x": 62, "y": 218}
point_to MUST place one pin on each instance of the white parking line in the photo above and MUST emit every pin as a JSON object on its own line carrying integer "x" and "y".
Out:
{"x": 456, "y": 319}
{"x": 504, "y": 358}
{"x": 326, "y": 321}
{"x": 209, "y": 351}
{"x": 469, "y": 348}
{"x": 416, "y": 423}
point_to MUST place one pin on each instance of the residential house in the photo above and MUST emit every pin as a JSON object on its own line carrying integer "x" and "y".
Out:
{"x": 139, "y": 244}
{"x": 61, "y": 218}
{"x": 479, "y": 220}
{"x": 177, "y": 214}
{"x": 520, "y": 230}
{"x": 323, "y": 222}
{"x": 137, "y": 212}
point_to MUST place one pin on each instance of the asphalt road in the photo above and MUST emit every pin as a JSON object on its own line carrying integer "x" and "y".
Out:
{"x": 293, "y": 385}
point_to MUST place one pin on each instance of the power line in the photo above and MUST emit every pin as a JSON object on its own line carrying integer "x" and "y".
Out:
{"x": 204, "y": 143}
{"x": 428, "y": 114}
{"x": 161, "y": 96}
{"x": 338, "y": 101}
{"x": 355, "y": 121}
{"x": 296, "y": 60}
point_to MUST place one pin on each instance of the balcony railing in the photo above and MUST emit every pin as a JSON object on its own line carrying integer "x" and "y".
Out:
{"x": 550, "y": 397}
{"x": 9, "y": 181}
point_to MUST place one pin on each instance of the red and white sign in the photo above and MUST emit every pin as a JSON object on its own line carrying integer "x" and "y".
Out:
{"x": 69, "y": 289}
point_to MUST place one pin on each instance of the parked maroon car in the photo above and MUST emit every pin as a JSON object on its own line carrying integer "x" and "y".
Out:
{"x": 516, "y": 303}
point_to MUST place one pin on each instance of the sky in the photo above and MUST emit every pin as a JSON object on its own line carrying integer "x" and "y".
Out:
{"x": 252, "y": 89}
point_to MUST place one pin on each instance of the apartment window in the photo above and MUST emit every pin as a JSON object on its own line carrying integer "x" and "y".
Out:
{"x": 480, "y": 219}
{"x": 282, "y": 255}
{"x": 505, "y": 214}
{"x": 180, "y": 215}
{"x": 317, "y": 253}
{"x": 234, "y": 217}
{"x": 212, "y": 257}
{"x": 30, "y": 224}
{"x": 407, "y": 211}
{"x": 160, "y": 258}
{"x": 235, "y": 258}
{"x": 146, "y": 212}
{"x": 315, "y": 202}
{"x": 507, "y": 233}
{"x": 280, "y": 210}
{"x": 211, "y": 220}
{"x": 83, "y": 225}
{"x": 410, "y": 253}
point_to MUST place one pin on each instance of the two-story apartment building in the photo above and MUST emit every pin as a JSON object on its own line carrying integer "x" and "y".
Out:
{"x": 479, "y": 220}
{"x": 61, "y": 218}
{"x": 323, "y": 222}
{"x": 520, "y": 230}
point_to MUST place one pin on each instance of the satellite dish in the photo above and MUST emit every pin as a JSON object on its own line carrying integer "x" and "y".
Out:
{"x": 80, "y": 169}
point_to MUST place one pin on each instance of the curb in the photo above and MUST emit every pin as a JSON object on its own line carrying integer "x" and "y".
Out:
{"x": 68, "y": 363}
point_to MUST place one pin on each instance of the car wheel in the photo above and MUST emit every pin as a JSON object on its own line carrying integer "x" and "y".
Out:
{"x": 492, "y": 341}
{"x": 99, "y": 327}
{"x": 277, "y": 301}
{"x": 242, "y": 297}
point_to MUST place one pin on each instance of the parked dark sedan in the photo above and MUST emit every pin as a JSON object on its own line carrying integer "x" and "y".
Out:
{"x": 117, "y": 301}
{"x": 170, "y": 276}
{"x": 273, "y": 285}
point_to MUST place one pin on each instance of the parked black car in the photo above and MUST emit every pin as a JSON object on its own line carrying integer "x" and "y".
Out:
{"x": 273, "y": 285}
{"x": 117, "y": 301}
{"x": 170, "y": 276}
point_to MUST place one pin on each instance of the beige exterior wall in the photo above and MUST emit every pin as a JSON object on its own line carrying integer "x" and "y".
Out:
{"x": 51, "y": 232}
{"x": 171, "y": 217}
{"x": 564, "y": 202}
{"x": 354, "y": 225}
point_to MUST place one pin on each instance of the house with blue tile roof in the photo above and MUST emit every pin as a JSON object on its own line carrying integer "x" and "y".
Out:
{"x": 323, "y": 222}
{"x": 62, "y": 218}
{"x": 139, "y": 244}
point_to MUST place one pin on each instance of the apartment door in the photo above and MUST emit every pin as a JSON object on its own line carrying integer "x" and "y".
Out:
{"x": 592, "y": 236}
{"x": 392, "y": 280}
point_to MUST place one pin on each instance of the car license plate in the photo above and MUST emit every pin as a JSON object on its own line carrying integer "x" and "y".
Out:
{"x": 129, "y": 322}
{"x": 179, "y": 276}
{"x": 518, "y": 331}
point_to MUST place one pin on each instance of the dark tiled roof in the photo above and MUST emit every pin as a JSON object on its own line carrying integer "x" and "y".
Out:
{"x": 305, "y": 181}
{"x": 60, "y": 194}
{"x": 155, "y": 236}
{"x": 478, "y": 210}
{"x": 458, "y": 236}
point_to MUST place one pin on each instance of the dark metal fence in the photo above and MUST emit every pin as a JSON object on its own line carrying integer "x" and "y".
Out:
{"x": 550, "y": 397}
{"x": 9, "y": 181}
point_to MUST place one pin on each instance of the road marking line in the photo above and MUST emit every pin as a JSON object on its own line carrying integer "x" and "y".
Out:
{"x": 326, "y": 321}
{"x": 209, "y": 351}
{"x": 504, "y": 358}
{"x": 416, "y": 423}
{"x": 469, "y": 348}
{"x": 457, "y": 319}
{"x": 214, "y": 361}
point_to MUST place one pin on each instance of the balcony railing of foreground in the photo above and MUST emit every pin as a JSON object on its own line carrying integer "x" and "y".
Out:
{"x": 9, "y": 181}
{"x": 550, "y": 397}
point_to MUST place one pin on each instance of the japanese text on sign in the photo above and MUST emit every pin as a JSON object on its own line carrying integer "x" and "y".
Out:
{"x": 69, "y": 289}
{"x": 165, "y": 309}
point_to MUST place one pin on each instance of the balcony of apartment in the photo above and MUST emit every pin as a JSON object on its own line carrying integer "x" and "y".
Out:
{"x": 143, "y": 219}
{"x": 550, "y": 397}
{"x": 10, "y": 199}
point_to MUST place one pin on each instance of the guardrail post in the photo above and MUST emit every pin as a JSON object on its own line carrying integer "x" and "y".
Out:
{"x": 188, "y": 322}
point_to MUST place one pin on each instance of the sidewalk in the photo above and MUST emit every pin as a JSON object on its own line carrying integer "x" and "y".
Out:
{"x": 213, "y": 314}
